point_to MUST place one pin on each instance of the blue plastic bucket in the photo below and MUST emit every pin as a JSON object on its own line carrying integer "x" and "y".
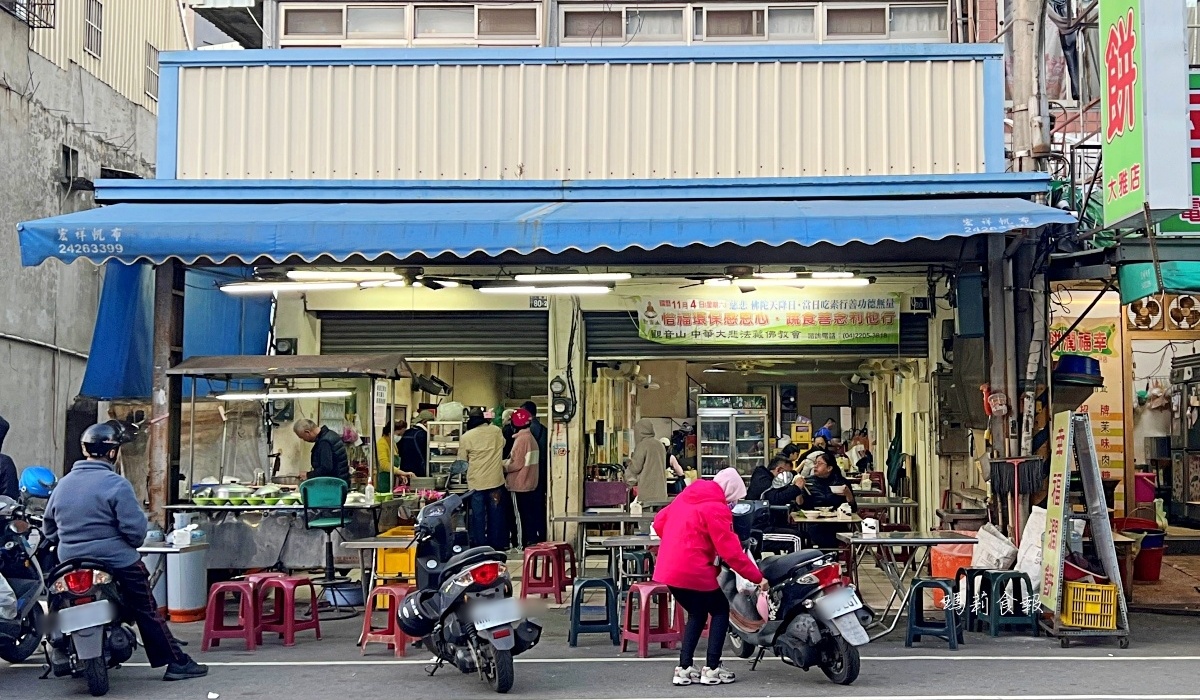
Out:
{"x": 1154, "y": 538}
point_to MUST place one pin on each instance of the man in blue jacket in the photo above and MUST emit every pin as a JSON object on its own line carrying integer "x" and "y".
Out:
{"x": 94, "y": 514}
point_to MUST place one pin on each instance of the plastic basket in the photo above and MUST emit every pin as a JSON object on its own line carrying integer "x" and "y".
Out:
{"x": 399, "y": 562}
{"x": 1090, "y": 606}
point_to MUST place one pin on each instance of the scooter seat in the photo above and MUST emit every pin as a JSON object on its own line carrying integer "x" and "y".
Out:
{"x": 778, "y": 568}
{"x": 475, "y": 555}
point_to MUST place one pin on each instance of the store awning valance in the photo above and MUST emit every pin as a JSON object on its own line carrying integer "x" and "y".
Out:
{"x": 220, "y": 232}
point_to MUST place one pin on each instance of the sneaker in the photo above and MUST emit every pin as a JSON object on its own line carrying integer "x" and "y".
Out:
{"x": 716, "y": 676}
{"x": 186, "y": 671}
{"x": 686, "y": 676}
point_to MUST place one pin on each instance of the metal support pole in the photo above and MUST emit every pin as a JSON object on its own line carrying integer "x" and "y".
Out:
{"x": 165, "y": 400}
{"x": 997, "y": 301}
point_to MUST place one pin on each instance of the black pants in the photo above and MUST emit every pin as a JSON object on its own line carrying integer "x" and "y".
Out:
{"x": 700, "y": 606}
{"x": 137, "y": 601}
{"x": 528, "y": 509}
{"x": 514, "y": 534}
{"x": 487, "y": 524}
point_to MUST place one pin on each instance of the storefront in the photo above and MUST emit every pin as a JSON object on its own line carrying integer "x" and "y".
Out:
{"x": 490, "y": 199}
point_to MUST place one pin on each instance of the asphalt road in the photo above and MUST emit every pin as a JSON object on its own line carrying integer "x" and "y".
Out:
{"x": 1163, "y": 661}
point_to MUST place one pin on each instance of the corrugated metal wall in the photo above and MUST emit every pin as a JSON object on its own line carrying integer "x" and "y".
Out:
{"x": 439, "y": 335}
{"x": 128, "y": 26}
{"x": 614, "y": 336}
{"x": 582, "y": 121}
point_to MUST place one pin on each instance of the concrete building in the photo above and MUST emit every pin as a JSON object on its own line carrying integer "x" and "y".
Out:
{"x": 78, "y": 102}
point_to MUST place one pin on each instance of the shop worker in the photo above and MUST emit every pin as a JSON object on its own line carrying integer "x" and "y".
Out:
{"x": 94, "y": 514}
{"x": 328, "y": 452}
{"x": 9, "y": 484}
{"x": 482, "y": 445}
{"x": 826, "y": 431}
{"x": 414, "y": 445}
{"x": 542, "y": 436}
{"x": 521, "y": 476}
{"x": 647, "y": 470}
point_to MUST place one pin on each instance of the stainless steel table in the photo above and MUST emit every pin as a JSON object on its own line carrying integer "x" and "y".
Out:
{"x": 900, "y": 576}
{"x": 372, "y": 545}
{"x": 618, "y": 518}
{"x": 166, "y": 550}
{"x": 618, "y": 545}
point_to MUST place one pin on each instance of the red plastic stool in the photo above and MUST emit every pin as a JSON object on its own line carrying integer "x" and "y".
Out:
{"x": 667, "y": 632}
{"x": 283, "y": 620}
{"x": 390, "y": 634}
{"x": 246, "y": 628}
{"x": 546, "y": 579}
{"x": 565, "y": 558}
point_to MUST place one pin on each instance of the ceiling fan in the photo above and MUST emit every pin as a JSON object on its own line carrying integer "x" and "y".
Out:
{"x": 856, "y": 383}
{"x": 749, "y": 367}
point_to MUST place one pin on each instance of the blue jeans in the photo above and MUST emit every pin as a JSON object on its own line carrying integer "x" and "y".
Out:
{"x": 488, "y": 524}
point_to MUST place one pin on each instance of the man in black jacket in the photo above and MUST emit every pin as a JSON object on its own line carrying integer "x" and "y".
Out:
{"x": 9, "y": 484}
{"x": 538, "y": 514}
{"x": 762, "y": 486}
{"x": 328, "y": 453}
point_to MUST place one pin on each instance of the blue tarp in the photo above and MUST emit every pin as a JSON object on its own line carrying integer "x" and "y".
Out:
{"x": 221, "y": 232}
{"x": 215, "y": 323}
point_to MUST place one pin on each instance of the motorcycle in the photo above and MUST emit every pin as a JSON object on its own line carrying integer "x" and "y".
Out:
{"x": 813, "y": 618}
{"x": 21, "y": 554}
{"x": 463, "y": 611}
{"x": 86, "y": 635}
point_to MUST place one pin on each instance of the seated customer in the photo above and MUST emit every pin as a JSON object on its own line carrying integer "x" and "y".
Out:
{"x": 827, "y": 488}
{"x": 762, "y": 479}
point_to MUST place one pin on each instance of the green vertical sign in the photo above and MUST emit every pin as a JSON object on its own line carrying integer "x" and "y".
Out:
{"x": 1189, "y": 221}
{"x": 1122, "y": 134}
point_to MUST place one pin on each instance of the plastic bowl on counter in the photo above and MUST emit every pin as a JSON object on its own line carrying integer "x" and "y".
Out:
{"x": 271, "y": 500}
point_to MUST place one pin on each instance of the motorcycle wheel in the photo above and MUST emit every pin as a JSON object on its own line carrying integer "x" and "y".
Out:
{"x": 843, "y": 665}
{"x": 498, "y": 668}
{"x": 740, "y": 647}
{"x": 22, "y": 648}
{"x": 96, "y": 673}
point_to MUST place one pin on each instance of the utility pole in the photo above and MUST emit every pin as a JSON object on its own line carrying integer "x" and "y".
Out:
{"x": 1030, "y": 126}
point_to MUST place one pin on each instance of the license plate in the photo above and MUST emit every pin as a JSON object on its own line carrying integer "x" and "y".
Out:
{"x": 84, "y": 616}
{"x": 494, "y": 613}
{"x": 838, "y": 603}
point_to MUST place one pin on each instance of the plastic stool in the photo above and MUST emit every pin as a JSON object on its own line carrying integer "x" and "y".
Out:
{"x": 667, "y": 632}
{"x": 246, "y": 628}
{"x": 284, "y": 621}
{"x": 968, "y": 585}
{"x": 610, "y": 625}
{"x": 566, "y": 560}
{"x": 995, "y": 618}
{"x": 641, "y": 565}
{"x": 948, "y": 628}
{"x": 546, "y": 580}
{"x": 389, "y": 634}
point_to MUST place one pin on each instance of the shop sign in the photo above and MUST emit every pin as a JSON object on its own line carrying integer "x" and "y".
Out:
{"x": 1189, "y": 221}
{"x": 1143, "y": 139}
{"x": 380, "y": 403}
{"x": 795, "y": 317}
{"x": 1100, "y": 339}
{"x": 1053, "y": 537}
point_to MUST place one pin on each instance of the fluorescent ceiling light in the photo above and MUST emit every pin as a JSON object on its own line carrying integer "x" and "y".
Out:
{"x": 313, "y": 394}
{"x": 775, "y": 275}
{"x": 574, "y": 277}
{"x": 843, "y": 282}
{"x": 533, "y": 291}
{"x": 271, "y": 287}
{"x": 832, "y": 275}
{"x": 718, "y": 282}
{"x": 341, "y": 275}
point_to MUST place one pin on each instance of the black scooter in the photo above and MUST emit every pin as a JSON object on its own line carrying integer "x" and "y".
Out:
{"x": 463, "y": 610}
{"x": 813, "y": 618}
{"x": 21, "y": 549}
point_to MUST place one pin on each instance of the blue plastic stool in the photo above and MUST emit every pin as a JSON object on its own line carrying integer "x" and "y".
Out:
{"x": 610, "y": 625}
{"x": 968, "y": 584}
{"x": 947, "y": 628}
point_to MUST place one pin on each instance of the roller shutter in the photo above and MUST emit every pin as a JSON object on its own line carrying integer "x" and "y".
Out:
{"x": 493, "y": 336}
{"x": 614, "y": 336}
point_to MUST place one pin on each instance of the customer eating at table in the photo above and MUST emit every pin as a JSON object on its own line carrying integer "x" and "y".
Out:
{"x": 827, "y": 488}
{"x": 696, "y": 529}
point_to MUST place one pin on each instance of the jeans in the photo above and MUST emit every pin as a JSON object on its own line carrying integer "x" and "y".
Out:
{"x": 137, "y": 601}
{"x": 701, "y": 605}
{"x": 488, "y": 525}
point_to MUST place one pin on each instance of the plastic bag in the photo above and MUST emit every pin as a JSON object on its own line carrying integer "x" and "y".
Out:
{"x": 1029, "y": 557}
{"x": 994, "y": 550}
{"x": 8, "y": 601}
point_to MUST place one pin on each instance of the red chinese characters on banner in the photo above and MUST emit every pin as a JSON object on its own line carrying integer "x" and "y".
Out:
{"x": 1192, "y": 216}
{"x": 1091, "y": 342}
{"x": 1194, "y": 118}
{"x": 1122, "y": 76}
{"x": 1126, "y": 181}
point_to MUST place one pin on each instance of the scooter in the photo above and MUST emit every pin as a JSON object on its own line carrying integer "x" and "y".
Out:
{"x": 463, "y": 610}
{"x": 813, "y": 618}
{"x": 20, "y": 565}
{"x": 86, "y": 634}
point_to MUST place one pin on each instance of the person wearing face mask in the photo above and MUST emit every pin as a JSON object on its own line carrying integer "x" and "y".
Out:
{"x": 766, "y": 480}
{"x": 827, "y": 487}
{"x": 696, "y": 530}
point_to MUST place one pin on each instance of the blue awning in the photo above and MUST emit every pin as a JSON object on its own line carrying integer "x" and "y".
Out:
{"x": 219, "y": 232}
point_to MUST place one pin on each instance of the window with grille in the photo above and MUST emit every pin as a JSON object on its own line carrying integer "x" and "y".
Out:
{"x": 93, "y": 27}
{"x": 151, "y": 72}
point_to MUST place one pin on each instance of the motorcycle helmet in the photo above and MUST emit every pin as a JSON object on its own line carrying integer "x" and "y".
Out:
{"x": 37, "y": 482}
{"x": 412, "y": 618}
{"x": 102, "y": 438}
{"x": 521, "y": 418}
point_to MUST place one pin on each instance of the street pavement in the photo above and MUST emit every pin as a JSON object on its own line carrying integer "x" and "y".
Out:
{"x": 1163, "y": 662}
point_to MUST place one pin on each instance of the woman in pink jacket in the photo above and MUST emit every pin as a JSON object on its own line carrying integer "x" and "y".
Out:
{"x": 696, "y": 530}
